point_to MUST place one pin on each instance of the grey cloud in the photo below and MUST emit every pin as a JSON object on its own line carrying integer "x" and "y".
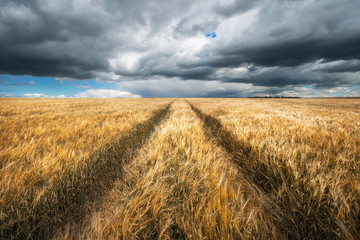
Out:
{"x": 70, "y": 38}
{"x": 235, "y": 7}
{"x": 286, "y": 44}
{"x": 186, "y": 28}
{"x": 291, "y": 34}
{"x": 340, "y": 66}
{"x": 293, "y": 76}
{"x": 48, "y": 42}
{"x": 177, "y": 88}
{"x": 296, "y": 52}
{"x": 216, "y": 89}
{"x": 197, "y": 73}
{"x": 282, "y": 44}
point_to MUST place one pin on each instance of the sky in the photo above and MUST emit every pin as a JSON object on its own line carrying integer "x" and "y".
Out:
{"x": 179, "y": 48}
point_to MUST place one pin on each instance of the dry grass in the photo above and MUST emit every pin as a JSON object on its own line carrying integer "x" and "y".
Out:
{"x": 211, "y": 169}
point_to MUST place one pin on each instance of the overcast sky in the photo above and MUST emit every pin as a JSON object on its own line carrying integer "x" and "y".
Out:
{"x": 179, "y": 48}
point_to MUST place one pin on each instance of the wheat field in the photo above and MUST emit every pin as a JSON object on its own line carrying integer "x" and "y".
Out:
{"x": 180, "y": 169}
{"x": 49, "y": 148}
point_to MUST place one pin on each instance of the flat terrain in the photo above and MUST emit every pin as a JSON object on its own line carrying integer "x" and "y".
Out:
{"x": 180, "y": 168}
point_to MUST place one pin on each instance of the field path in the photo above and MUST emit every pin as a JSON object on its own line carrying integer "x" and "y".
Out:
{"x": 178, "y": 187}
{"x": 84, "y": 189}
{"x": 287, "y": 211}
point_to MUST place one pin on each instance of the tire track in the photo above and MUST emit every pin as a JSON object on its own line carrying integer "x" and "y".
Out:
{"x": 179, "y": 186}
{"x": 76, "y": 193}
{"x": 287, "y": 211}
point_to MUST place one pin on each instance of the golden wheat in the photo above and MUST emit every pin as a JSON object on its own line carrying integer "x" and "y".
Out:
{"x": 308, "y": 152}
{"x": 180, "y": 186}
{"x": 43, "y": 140}
{"x": 200, "y": 169}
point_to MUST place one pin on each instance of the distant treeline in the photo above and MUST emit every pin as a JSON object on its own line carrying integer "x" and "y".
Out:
{"x": 274, "y": 97}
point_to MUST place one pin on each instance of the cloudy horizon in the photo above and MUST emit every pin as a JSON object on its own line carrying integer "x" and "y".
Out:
{"x": 218, "y": 48}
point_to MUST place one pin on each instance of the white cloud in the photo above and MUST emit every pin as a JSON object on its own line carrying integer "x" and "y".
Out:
{"x": 35, "y": 95}
{"x": 307, "y": 92}
{"x": 106, "y": 93}
{"x": 5, "y": 95}
{"x": 42, "y": 95}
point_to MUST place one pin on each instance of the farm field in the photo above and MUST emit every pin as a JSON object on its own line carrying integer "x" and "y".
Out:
{"x": 52, "y": 156}
{"x": 180, "y": 169}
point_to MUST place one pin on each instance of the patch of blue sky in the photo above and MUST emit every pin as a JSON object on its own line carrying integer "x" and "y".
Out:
{"x": 210, "y": 35}
{"x": 20, "y": 85}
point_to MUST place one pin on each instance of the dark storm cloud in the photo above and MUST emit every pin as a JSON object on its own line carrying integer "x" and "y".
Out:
{"x": 262, "y": 43}
{"x": 286, "y": 35}
{"x": 340, "y": 66}
{"x": 299, "y": 76}
{"x": 197, "y": 73}
{"x": 294, "y": 33}
{"x": 41, "y": 41}
{"x": 234, "y": 7}
{"x": 296, "y": 52}
{"x": 186, "y": 28}
{"x": 72, "y": 39}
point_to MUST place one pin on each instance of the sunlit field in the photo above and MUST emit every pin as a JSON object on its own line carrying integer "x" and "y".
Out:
{"x": 300, "y": 156}
{"x": 180, "y": 169}
{"x": 48, "y": 147}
